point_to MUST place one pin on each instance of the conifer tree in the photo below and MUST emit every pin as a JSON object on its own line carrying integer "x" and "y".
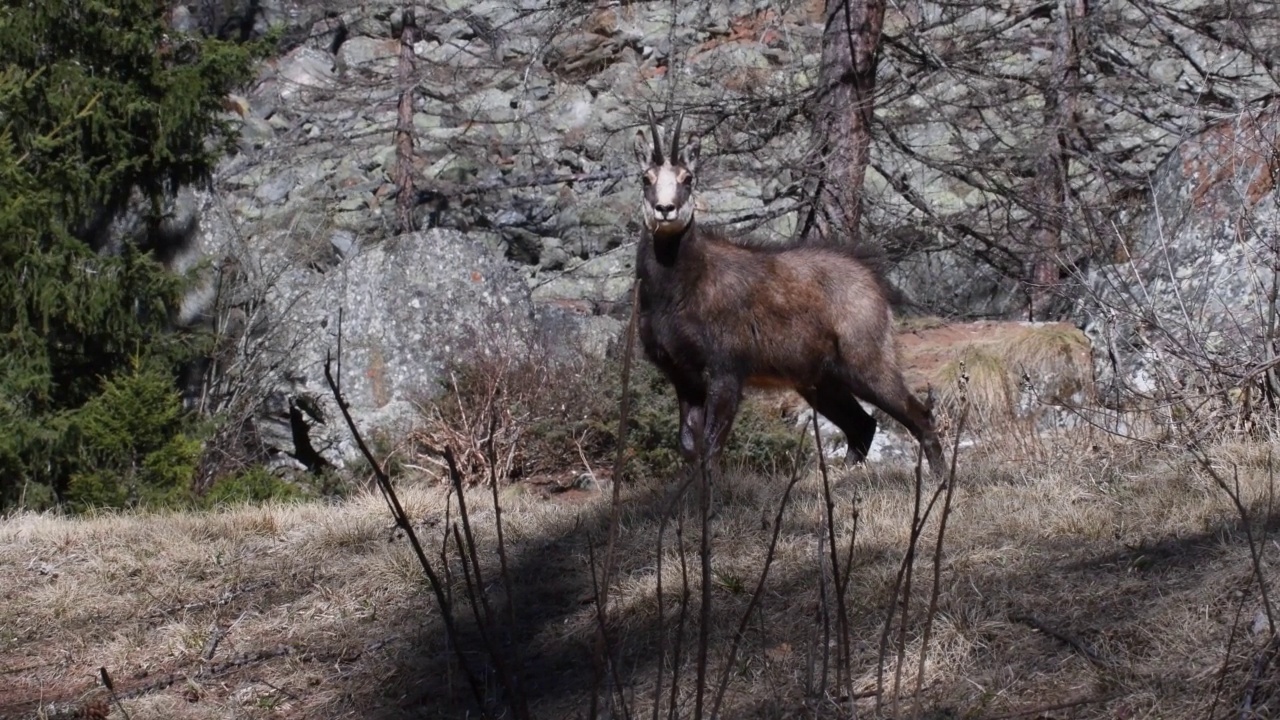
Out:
{"x": 99, "y": 103}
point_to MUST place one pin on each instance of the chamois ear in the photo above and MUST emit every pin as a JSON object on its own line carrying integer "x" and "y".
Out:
{"x": 644, "y": 150}
{"x": 689, "y": 154}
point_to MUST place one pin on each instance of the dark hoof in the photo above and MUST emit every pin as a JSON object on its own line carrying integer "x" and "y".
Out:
{"x": 854, "y": 457}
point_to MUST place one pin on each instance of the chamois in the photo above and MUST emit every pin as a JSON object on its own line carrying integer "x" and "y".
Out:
{"x": 718, "y": 314}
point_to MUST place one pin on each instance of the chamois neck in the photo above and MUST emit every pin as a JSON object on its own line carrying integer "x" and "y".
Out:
{"x": 667, "y": 247}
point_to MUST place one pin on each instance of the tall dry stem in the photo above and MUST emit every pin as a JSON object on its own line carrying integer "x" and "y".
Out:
{"x": 403, "y": 521}
{"x": 937, "y": 558}
{"x": 615, "y": 510}
{"x": 759, "y": 591}
{"x": 844, "y": 671}
{"x": 704, "y": 548}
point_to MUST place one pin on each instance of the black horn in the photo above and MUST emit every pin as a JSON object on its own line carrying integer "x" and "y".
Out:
{"x": 657, "y": 141}
{"x": 675, "y": 139}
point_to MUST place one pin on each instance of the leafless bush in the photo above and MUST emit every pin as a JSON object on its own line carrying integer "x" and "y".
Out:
{"x": 540, "y": 406}
{"x": 1201, "y": 376}
{"x": 240, "y": 377}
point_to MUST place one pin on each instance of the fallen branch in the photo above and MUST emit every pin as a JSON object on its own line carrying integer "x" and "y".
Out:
{"x": 1260, "y": 665}
{"x": 226, "y": 597}
{"x": 211, "y": 646}
{"x": 111, "y": 689}
{"x": 1075, "y": 643}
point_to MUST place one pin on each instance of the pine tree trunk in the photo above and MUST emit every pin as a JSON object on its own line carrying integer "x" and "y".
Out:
{"x": 846, "y": 102}
{"x": 404, "y": 127}
{"x": 1054, "y": 163}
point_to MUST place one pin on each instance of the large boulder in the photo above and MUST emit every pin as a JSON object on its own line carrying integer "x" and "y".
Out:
{"x": 399, "y": 312}
{"x": 1189, "y": 297}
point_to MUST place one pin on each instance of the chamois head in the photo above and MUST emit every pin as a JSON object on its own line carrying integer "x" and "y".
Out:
{"x": 668, "y": 179}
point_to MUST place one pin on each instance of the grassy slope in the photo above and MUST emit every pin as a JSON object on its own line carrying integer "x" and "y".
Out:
{"x": 1136, "y": 564}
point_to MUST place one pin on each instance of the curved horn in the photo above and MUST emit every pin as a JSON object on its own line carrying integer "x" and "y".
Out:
{"x": 657, "y": 141}
{"x": 675, "y": 138}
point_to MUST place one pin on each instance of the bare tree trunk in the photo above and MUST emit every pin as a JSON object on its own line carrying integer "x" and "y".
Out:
{"x": 404, "y": 126}
{"x": 1052, "y": 199}
{"x": 846, "y": 102}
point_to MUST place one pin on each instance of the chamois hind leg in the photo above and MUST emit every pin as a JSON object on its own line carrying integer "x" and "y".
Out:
{"x": 835, "y": 401}
{"x": 885, "y": 388}
{"x": 692, "y": 428}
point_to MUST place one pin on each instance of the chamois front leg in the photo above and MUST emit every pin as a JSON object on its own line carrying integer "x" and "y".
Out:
{"x": 692, "y": 418}
{"x": 724, "y": 393}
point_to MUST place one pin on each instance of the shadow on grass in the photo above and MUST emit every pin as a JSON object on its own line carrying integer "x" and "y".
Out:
{"x": 1083, "y": 611}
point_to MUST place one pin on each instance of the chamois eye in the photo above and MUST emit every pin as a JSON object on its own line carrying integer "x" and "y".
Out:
{"x": 687, "y": 179}
{"x": 646, "y": 180}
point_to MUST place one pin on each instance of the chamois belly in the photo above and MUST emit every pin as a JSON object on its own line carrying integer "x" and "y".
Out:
{"x": 770, "y": 382}
{"x": 772, "y": 355}
{"x": 783, "y": 360}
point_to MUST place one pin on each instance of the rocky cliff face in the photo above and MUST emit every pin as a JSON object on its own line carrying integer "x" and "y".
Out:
{"x": 508, "y": 94}
{"x": 1188, "y": 301}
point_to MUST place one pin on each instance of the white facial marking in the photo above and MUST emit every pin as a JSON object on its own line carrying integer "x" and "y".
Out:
{"x": 666, "y": 192}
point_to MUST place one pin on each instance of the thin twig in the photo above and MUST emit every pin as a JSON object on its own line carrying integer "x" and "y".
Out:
{"x": 685, "y": 594}
{"x": 402, "y": 520}
{"x": 486, "y": 624}
{"x": 608, "y": 660}
{"x": 704, "y": 612}
{"x": 662, "y": 629}
{"x": 909, "y": 563}
{"x": 824, "y": 612}
{"x": 844, "y": 671}
{"x": 917, "y": 527}
{"x": 759, "y": 591}
{"x": 1076, "y": 644}
{"x": 1226, "y": 656}
{"x": 1246, "y": 520}
{"x": 937, "y": 557}
{"x": 615, "y": 510}
{"x": 526, "y": 181}
{"x": 519, "y": 697}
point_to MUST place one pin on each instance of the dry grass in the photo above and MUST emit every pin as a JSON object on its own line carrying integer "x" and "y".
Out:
{"x": 1008, "y": 374}
{"x": 981, "y": 376}
{"x": 1111, "y": 580}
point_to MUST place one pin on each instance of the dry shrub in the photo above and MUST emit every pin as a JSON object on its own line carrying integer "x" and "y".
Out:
{"x": 512, "y": 408}
{"x": 535, "y": 406}
{"x": 978, "y": 372}
{"x": 1057, "y": 356}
